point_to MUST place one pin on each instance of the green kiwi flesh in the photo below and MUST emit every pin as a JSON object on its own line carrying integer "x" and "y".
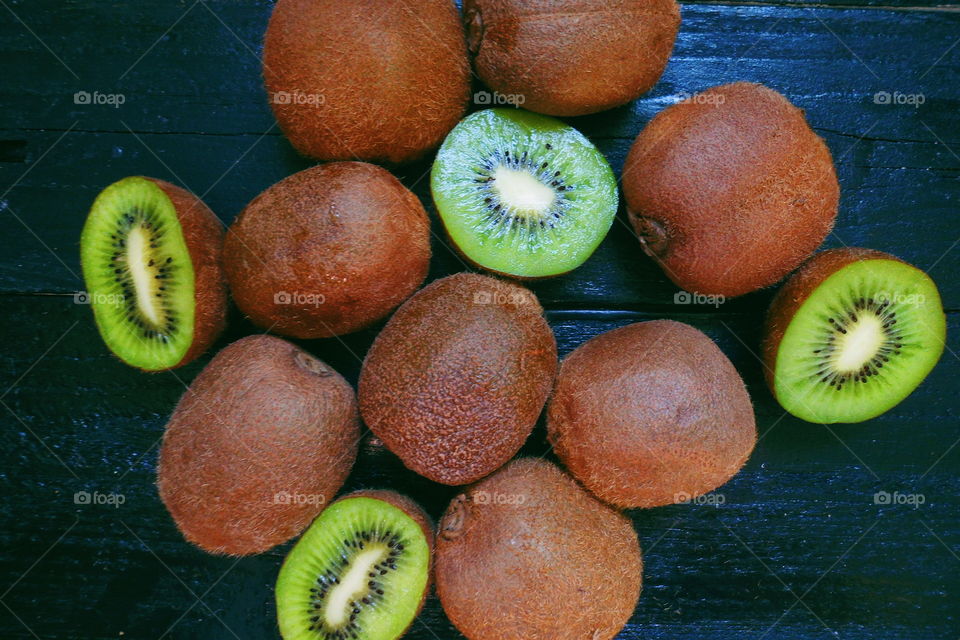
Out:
{"x": 523, "y": 194}
{"x": 360, "y": 571}
{"x": 863, "y": 338}
{"x": 139, "y": 274}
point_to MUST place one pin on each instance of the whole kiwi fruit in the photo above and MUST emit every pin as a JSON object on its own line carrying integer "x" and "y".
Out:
{"x": 151, "y": 254}
{"x": 527, "y": 554}
{"x": 455, "y": 382}
{"x": 257, "y": 446}
{"x": 366, "y": 79}
{"x": 328, "y": 250}
{"x": 730, "y": 190}
{"x": 571, "y": 57}
{"x": 650, "y": 414}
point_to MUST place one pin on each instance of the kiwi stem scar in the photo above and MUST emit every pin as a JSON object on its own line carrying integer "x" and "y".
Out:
{"x": 138, "y": 243}
{"x": 353, "y": 585}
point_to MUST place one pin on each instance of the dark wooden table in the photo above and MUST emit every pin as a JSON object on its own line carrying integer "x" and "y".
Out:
{"x": 798, "y": 549}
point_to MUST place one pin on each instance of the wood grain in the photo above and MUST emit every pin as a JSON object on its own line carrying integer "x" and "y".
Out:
{"x": 800, "y": 522}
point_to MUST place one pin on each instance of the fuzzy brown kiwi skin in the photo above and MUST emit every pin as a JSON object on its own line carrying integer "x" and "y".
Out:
{"x": 567, "y": 57}
{"x": 347, "y": 231}
{"x": 797, "y": 289}
{"x": 453, "y": 385}
{"x": 650, "y": 413}
{"x": 203, "y": 235}
{"x": 390, "y": 93}
{"x": 263, "y": 418}
{"x": 527, "y": 554}
{"x": 730, "y": 190}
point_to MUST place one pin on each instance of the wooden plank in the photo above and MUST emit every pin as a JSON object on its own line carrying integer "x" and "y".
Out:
{"x": 800, "y": 520}
{"x": 797, "y": 510}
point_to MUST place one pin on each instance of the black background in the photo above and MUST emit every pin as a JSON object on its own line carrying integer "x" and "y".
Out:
{"x": 798, "y": 549}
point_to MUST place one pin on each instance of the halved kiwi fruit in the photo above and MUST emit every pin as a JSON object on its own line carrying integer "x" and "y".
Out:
{"x": 150, "y": 253}
{"x": 523, "y": 194}
{"x": 361, "y": 571}
{"x": 851, "y": 334}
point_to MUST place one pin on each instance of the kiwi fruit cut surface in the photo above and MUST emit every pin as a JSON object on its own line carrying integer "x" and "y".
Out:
{"x": 366, "y": 79}
{"x": 650, "y": 414}
{"x": 526, "y": 554}
{"x": 361, "y": 571}
{"x": 151, "y": 258}
{"x": 455, "y": 382}
{"x": 851, "y": 334}
{"x": 328, "y": 250}
{"x": 571, "y": 57}
{"x": 522, "y": 194}
{"x": 257, "y": 446}
{"x": 730, "y": 190}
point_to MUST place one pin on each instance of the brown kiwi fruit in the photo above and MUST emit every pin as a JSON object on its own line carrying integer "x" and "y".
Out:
{"x": 151, "y": 254}
{"x": 527, "y": 554}
{"x": 455, "y": 382}
{"x": 366, "y": 79}
{"x": 362, "y": 570}
{"x": 328, "y": 250}
{"x": 257, "y": 446}
{"x": 730, "y": 190}
{"x": 571, "y": 57}
{"x": 650, "y": 414}
{"x": 851, "y": 334}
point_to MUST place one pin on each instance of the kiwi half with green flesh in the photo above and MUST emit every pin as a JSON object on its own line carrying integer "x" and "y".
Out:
{"x": 527, "y": 554}
{"x": 361, "y": 571}
{"x": 571, "y": 57}
{"x": 151, "y": 258}
{"x": 650, "y": 414}
{"x": 852, "y": 334}
{"x": 261, "y": 441}
{"x": 522, "y": 194}
{"x": 730, "y": 189}
{"x": 454, "y": 383}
